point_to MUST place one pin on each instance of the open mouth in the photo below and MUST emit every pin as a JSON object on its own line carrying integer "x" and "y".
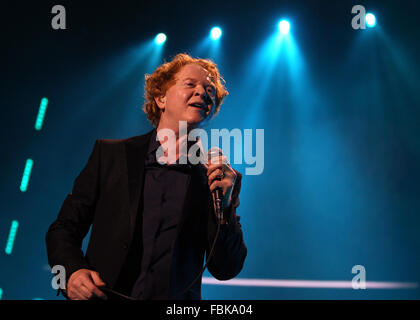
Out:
{"x": 199, "y": 105}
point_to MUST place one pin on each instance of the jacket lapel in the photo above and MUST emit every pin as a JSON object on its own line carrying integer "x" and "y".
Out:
{"x": 197, "y": 195}
{"x": 136, "y": 151}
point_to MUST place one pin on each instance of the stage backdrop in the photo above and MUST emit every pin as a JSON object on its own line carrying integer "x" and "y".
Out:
{"x": 339, "y": 108}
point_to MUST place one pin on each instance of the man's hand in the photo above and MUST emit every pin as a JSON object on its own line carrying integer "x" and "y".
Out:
{"x": 83, "y": 285}
{"x": 220, "y": 174}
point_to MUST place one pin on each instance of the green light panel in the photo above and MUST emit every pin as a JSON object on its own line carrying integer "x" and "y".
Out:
{"x": 26, "y": 175}
{"x": 41, "y": 114}
{"x": 12, "y": 236}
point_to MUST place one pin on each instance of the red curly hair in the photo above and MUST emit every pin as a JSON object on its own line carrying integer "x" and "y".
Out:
{"x": 164, "y": 77}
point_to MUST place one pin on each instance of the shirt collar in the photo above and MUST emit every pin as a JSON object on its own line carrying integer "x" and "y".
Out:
{"x": 154, "y": 144}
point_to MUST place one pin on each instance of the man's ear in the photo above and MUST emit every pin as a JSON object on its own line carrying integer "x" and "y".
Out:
{"x": 161, "y": 101}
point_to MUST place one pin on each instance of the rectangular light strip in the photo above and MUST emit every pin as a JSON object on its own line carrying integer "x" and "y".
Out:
{"x": 26, "y": 175}
{"x": 308, "y": 283}
{"x": 1, "y": 293}
{"x": 12, "y": 236}
{"x": 41, "y": 114}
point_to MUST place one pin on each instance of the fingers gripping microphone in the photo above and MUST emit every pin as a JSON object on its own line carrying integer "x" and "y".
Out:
{"x": 217, "y": 192}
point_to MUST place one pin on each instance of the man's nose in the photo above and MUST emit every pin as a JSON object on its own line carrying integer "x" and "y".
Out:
{"x": 200, "y": 91}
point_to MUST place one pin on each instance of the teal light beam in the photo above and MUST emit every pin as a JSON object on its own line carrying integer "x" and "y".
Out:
{"x": 12, "y": 236}
{"x": 26, "y": 175}
{"x": 41, "y": 113}
{"x": 1, "y": 293}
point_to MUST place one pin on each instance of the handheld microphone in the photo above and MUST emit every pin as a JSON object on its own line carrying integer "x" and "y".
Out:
{"x": 217, "y": 192}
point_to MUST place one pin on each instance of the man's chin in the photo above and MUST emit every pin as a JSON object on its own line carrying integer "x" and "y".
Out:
{"x": 196, "y": 122}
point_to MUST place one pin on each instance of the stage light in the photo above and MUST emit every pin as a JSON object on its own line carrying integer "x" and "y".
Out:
{"x": 12, "y": 236}
{"x": 41, "y": 114}
{"x": 215, "y": 33}
{"x": 284, "y": 26}
{"x": 370, "y": 20}
{"x": 26, "y": 175}
{"x": 160, "y": 38}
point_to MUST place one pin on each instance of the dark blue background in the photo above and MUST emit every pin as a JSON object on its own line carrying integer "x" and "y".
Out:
{"x": 339, "y": 108}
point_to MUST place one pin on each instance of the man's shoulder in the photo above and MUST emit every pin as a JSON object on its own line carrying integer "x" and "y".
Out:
{"x": 130, "y": 140}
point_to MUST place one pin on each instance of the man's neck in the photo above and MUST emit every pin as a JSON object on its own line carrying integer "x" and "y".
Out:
{"x": 177, "y": 129}
{"x": 180, "y": 132}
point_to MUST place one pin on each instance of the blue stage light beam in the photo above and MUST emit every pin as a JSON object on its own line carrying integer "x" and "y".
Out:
{"x": 370, "y": 20}
{"x": 284, "y": 26}
{"x": 210, "y": 45}
{"x": 160, "y": 38}
{"x": 215, "y": 33}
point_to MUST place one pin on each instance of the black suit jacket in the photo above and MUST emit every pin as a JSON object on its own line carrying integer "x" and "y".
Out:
{"x": 107, "y": 194}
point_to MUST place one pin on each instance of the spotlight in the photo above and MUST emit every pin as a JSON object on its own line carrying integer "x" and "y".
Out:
{"x": 215, "y": 33}
{"x": 160, "y": 38}
{"x": 284, "y": 26}
{"x": 370, "y": 20}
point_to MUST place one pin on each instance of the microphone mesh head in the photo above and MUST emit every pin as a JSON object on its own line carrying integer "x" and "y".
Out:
{"x": 214, "y": 152}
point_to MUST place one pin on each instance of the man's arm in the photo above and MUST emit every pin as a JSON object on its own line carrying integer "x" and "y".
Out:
{"x": 65, "y": 236}
{"x": 230, "y": 251}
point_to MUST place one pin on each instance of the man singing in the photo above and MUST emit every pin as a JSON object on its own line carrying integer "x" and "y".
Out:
{"x": 153, "y": 221}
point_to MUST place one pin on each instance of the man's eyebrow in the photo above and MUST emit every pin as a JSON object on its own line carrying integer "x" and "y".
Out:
{"x": 189, "y": 78}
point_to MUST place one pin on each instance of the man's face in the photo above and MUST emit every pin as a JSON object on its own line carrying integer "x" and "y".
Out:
{"x": 191, "y": 98}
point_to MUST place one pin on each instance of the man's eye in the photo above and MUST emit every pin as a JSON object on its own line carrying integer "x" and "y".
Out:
{"x": 190, "y": 84}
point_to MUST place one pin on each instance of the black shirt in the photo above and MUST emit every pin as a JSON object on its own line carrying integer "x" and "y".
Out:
{"x": 164, "y": 193}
